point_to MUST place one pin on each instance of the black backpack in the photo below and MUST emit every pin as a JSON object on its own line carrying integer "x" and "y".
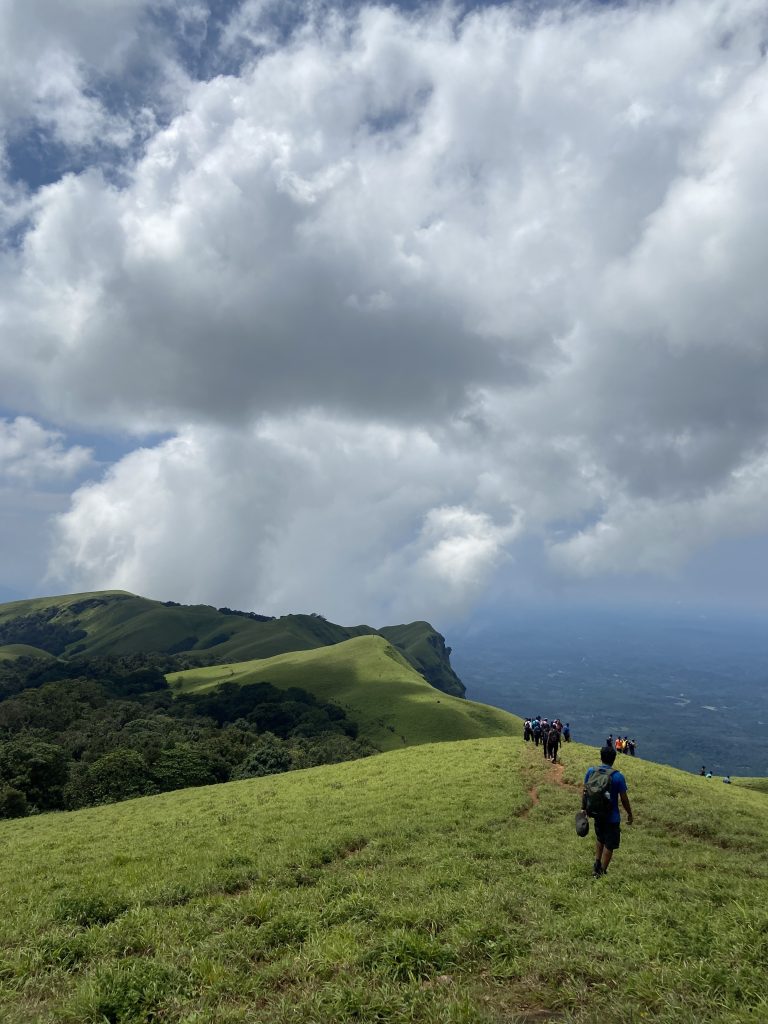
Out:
{"x": 597, "y": 789}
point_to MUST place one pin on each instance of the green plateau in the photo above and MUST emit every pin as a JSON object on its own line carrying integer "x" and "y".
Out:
{"x": 440, "y": 883}
{"x": 117, "y": 623}
{"x": 374, "y": 683}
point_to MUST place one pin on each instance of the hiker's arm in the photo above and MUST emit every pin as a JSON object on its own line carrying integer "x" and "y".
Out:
{"x": 627, "y": 807}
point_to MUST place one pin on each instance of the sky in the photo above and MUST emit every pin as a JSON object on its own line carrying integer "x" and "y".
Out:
{"x": 384, "y": 312}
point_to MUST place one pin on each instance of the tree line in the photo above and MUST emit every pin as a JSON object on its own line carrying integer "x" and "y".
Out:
{"x": 78, "y": 733}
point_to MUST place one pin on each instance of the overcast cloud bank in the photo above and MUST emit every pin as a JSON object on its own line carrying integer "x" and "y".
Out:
{"x": 407, "y": 292}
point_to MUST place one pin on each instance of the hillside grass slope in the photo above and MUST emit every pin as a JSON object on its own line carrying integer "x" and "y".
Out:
{"x": 9, "y": 652}
{"x": 381, "y": 691}
{"x": 115, "y": 623}
{"x": 441, "y": 884}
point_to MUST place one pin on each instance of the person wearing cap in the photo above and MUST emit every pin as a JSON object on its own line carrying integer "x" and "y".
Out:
{"x": 608, "y": 826}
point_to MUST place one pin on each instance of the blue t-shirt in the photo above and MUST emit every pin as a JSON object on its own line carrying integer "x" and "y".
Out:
{"x": 618, "y": 785}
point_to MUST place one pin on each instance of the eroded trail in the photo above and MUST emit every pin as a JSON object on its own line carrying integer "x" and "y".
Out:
{"x": 557, "y": 777}
{"x": 538, "y": 772}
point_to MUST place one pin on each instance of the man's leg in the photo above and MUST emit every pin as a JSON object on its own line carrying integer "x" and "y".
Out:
{"x": 611, "y": 841}
{"x": 597, "y": 868}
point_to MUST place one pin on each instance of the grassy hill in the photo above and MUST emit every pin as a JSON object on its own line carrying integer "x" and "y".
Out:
{"x": 118, "y": 623}
{"x": 381, "y": 691}
{"x": 441, "y": 884}
{"x": 9, "y": 652}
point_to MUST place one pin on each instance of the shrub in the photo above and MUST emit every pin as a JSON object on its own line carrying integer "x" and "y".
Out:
{"x": 13, "y": 803}
{"x": 267, "y": 756}
{"x": 118, "y": 775}
{"x": 184, "y": 765}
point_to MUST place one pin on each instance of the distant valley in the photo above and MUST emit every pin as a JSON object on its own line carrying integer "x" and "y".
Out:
{"x": 693, "y": 690}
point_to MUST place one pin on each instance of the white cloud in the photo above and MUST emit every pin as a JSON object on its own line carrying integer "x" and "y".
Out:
{"x": 50, "y": 54}
{"x": 521, "y": 253}
{"x": 31, "y": 453}
{"x": 657, "y": 536}
{"x": 358, "y": 522}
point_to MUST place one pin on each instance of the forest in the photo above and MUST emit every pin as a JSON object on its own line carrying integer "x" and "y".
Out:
{"x": 78, "y": 733}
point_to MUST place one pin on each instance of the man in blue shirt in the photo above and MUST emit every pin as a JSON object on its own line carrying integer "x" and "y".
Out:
{"x": 608, "y": 825}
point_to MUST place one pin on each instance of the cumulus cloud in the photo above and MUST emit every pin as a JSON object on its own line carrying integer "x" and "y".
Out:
{"x": 51, "y": 56}
{"x": 31, "y": 453}
{"x": 521, "y": 251}
{"x": 657, "y": 536}
{"x": 357, "y": 522}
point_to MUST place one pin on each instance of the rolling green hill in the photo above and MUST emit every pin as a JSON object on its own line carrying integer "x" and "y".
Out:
{"x": 440, "y": 884}
{"x": 381, "y": 691}
{"x": 118, "y": 623}
{"x": 11, "y": 651}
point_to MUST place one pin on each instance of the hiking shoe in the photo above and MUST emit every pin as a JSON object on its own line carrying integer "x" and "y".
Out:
{"x": 597, "y": 870}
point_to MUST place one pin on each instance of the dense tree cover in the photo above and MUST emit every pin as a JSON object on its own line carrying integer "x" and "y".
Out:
{"x": 73, "y": 734}
{"x": 37, "y": 630}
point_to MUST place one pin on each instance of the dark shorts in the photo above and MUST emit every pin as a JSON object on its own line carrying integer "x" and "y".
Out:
{"x": 608, "y": 833}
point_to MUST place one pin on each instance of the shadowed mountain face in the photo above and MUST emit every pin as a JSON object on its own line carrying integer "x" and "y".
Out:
{"x": 119, "y": 623}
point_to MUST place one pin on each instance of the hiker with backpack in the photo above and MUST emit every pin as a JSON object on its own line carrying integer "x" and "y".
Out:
{"x": 553, "y": 743}
{"x": 604, "y": 786}
{"x": 545, "y": 729}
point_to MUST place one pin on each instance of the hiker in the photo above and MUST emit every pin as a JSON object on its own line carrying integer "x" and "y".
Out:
{"x": 619, "y": 745}
{"x": 527, "y": 729}
{"x": 537, "y": 731}
{"x": 567, "y": 733}
{"x": 703, "y": 770}
{"x": 727, "y": 778}
{"x": 708, "y": 775}
{"x": 545, "y": 731}
{"x": 553, "y": 742}
{"x": 632, "y": 745}
{"x": 604, "y": 786}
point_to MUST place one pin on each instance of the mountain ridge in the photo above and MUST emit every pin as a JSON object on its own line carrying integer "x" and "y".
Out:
{"x": 118, "y": 623}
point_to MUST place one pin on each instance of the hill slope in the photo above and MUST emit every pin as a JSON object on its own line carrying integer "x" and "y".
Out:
{"x": 114, "y": 622}
{"x": 391, "y": 702}
{"x": 438, "y": 885}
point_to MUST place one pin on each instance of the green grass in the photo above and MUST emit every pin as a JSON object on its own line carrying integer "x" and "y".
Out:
{"x": 118, "y": 623}
{"x": 422, "y": 885}
{"x": 760, "y": 785}
{"x": 393, "y": 705}
{"x": 9, "y": 652}
{"x": 124, "y": 623}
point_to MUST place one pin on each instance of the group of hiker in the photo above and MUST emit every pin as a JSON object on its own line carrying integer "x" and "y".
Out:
{"x": 547, "y": 733}
{"x": 622, "y": 744}
{"x": 708, "y": 775}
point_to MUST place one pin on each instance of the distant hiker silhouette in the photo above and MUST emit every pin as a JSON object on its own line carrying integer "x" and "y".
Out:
{"x": 553, "y": 743}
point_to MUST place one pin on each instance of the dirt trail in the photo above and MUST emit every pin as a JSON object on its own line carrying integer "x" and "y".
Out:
{"x": 557, "y": 773}
{"x": 533, "y": 795}
{"x": 555, "y": 776}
